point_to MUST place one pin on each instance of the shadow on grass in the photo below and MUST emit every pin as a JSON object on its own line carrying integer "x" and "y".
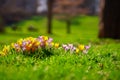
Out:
{"x": 40, "y": 54}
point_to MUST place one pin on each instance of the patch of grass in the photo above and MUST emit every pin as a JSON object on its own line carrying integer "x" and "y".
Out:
{"x": 86, "y": 31}
{"x": 101, "y": 63}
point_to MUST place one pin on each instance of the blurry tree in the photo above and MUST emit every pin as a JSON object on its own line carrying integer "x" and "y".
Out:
{"x": 2, "y": 2}
{"x": 109, "y": 19}
{"x": 1, "y": 24}
{"x": 92, "y": 5}
{"x": 12, "y": 11}
{"x": 49, "y": 15}
{"x": 67, "y": 9}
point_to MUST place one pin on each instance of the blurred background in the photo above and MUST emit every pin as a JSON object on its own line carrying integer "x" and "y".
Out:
{"x": 65, "y": 20}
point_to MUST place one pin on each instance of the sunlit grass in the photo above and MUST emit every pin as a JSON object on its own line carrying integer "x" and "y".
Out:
{"x": 85, "y": 29}
{"x": 101, "y": 63}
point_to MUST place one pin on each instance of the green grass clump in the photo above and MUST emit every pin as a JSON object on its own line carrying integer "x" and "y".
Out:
{"x": 102, "y": 62}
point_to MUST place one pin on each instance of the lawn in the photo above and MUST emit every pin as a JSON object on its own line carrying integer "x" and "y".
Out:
{"x": 102, "y": 62}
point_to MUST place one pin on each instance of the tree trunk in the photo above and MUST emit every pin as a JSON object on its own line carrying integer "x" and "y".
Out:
{"x": 110, "y": 19}
{"x": 1, "y": 25}
{"x": 68, "y": 23}
{"x": 49, "y": 26}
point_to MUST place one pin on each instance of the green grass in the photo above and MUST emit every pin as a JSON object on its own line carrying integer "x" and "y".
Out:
{"x": 101, "y": 63}
{"x": 86, "y": 30}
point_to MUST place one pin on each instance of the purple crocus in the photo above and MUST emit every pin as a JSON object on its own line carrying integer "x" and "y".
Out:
{"x": 40, "y": 38}
{"x": 42, "y": 44}
{"x": 87, "y": 47}
{"x": 17, "y": 47}
{"x": 23, "y": 43}
{"x": 65, "y": 47}
{"x": 50, "y": 40}
{"x": 23, "y": 48}
{"x": 70, "y": 46}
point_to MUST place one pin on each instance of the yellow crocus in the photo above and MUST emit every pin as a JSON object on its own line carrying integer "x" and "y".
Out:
{"x": 6, "y": 49}
{"x": 20, "y": 42}
{"x": 29, "y": 38}
{"x": 2, "y": 53}
{"x": 33, "y": 40}
{"x": 81, "y": 47}
{"x": 45, "y": 38}
{"x": 57, "y": 45}
{"x": 29, "y": 45}
{"x": 46, "y": 43}
{"x": 77, "y": 50}
{"x": 37, "y": 44}
{"x": 52, "y": 43}
{"x": 13, "y": 45}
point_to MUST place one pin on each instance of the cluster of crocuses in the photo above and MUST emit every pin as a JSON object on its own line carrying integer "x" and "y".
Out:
{"x": 73, "y": 49}
{"x": 31, "y": 44}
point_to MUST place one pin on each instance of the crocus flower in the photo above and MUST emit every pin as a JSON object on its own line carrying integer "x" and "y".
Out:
{"x": 77, "y": 50}
{"x": 65, "y": 47}
{"x": 81, "y": 47}
{"x": 6, "y": 49}
{"x": 31, "y": 44}
{"x": 2, "y": 53}
{"x": 24, "y": 43}
{"x": 57, "y": 45}
{"x": 40, "y": 38}
{"x": 72, "y": 49}
{"x": 24, "y": 48}
{"x": 13, "y": 45}
{"x": 28, "y": 47}
{"x": 85, "y": 51}
{"x": 36, "y": 44}
{"x": 42, "y": 44}
{"x": 17, "y": 47}
{"x": 19, "y": 42}
{"x": 45, "y": 38}
{"x": 50, "y": 40}
{"x": 51, "y": 44}
{"x": 87, "y": 47}
{"x": 70, "y": 46}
